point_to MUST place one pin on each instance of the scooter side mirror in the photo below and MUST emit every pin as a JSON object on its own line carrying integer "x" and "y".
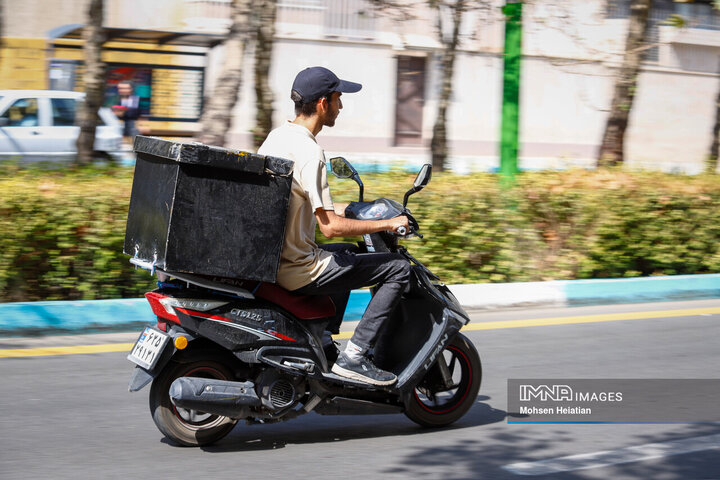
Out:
{"x": 341, "y": 168}
{"x": 422, "y": 179}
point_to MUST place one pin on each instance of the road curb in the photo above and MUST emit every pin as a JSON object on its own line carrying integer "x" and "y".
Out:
{"x": 564, "y": 293}
{"x": 36, "y": 318}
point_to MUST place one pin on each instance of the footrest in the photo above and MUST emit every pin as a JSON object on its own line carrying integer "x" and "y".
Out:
{"x": 332, "y": 377}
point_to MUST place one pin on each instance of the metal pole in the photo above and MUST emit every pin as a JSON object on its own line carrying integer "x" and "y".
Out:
{"x": 511, "y": 91}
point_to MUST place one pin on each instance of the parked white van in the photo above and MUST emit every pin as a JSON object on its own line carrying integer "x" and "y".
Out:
{"x": 37, "y": 125}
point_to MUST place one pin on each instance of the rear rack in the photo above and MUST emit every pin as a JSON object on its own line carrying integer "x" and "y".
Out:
{"x": 193, "y": 279}
{"x": 205, "y": 283}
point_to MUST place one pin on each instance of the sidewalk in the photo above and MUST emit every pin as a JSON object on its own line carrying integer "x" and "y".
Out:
{"x": 74, "y": 317}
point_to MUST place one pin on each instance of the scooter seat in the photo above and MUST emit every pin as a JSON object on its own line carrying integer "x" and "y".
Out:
{"x": 304, "y": 307}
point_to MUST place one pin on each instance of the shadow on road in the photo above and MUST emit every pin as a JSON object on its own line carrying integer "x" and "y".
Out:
{"x": 330, "y": 429}
{"x": 485, "y": 457}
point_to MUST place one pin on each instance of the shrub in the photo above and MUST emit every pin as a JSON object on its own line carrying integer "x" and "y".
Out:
{"x": 561, "y": 225}
{"x": 61, "y": 236}
{"x": 62, "y": 232}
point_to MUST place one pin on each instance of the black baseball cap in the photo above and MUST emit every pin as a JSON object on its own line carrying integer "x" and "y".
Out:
{"x": 316, "y": 82}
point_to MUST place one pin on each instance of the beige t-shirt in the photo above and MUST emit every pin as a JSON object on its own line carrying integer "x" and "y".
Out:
{"x": 301, "y": 260}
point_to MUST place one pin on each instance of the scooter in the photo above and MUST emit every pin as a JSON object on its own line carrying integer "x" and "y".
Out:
{"x": 226, "y": 349}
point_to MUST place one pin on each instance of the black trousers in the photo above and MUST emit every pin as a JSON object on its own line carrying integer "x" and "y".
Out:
{"x": 348, "y": 270}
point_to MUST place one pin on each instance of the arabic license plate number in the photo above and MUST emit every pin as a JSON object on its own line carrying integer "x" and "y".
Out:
{"x": 148, "y": 348}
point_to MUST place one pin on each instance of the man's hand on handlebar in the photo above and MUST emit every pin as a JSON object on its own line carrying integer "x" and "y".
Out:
{"x": 397, "y": 225}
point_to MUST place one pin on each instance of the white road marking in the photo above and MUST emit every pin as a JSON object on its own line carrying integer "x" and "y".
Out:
{"x": 614, "y": 457}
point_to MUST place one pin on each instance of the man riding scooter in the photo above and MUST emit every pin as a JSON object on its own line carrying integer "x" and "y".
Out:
{"x": 336, "y": 269}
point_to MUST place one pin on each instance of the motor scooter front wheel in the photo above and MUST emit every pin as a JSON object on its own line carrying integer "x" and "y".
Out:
{"x": 190, "y": 428}
{"x": 449, "y": 388}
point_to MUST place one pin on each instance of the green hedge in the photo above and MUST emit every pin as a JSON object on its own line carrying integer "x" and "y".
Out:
{"x": 61, "y": 233}
{"x": 61, "y": 236}
{"x": 560, "y": 225}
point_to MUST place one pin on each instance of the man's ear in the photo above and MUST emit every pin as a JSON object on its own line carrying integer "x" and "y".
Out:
{"x": 322, "y": 104}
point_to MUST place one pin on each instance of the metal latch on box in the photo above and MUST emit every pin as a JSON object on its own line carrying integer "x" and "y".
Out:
{"x": 150, "y": 266}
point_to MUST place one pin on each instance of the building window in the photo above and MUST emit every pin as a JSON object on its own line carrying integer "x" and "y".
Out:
{"x": 349, "y": 18}
{"x": 63, "y": 74}
{"x": 208, "y": 15}
{"x": 618, "y": 9}
{"x": 331, "y": 18}
{"x": 699, "y": 14}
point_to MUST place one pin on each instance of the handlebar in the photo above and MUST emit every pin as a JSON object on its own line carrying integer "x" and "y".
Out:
{"x": 402, "y": 231}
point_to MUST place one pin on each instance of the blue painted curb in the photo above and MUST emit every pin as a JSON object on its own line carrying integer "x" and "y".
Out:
{"x": 588, "y": 292}
{"x": 646, "y": 289}
{"x": 104, "y": 315}
{"x": 74, "y": 315}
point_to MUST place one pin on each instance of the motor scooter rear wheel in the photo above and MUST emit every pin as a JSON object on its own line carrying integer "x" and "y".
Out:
{"x": 185, "y": 427}
{"x": 436, "y": 403}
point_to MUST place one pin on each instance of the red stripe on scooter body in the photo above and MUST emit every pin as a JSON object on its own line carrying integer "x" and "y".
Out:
{"x": 275, "y": 334}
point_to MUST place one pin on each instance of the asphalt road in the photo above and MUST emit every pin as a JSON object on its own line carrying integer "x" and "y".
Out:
{"x": 71, "y": 416}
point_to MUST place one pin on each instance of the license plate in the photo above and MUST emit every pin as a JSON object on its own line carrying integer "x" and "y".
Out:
{"x": 148, "y": 348}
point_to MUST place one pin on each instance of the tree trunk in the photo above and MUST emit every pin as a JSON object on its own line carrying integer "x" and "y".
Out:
{"x": 93, "y": 80}
{"x": 612, "y": 147}
{"x": 712, "y": 160}
{"x": 217, "y": 115}
{"x": 438, "y": 145}
{"x": 264, "y": 35}
{"x": 1, "y": 24}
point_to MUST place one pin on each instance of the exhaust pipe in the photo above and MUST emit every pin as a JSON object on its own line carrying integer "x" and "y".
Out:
{"x": 218, "y": 397}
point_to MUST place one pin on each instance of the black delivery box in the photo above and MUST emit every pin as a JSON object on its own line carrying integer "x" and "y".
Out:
{"x": 207, "y": 210}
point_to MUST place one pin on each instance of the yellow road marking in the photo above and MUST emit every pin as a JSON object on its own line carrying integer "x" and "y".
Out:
{"x": 74, "y": 350}
{"x": 533, "y": 322}
{"x": 603, "y": 317}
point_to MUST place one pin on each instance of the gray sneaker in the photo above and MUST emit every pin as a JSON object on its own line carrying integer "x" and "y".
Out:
{"x": 362, "y": 370}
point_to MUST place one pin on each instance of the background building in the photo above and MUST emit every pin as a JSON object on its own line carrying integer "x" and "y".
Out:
{"x": 571, "y": 51}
